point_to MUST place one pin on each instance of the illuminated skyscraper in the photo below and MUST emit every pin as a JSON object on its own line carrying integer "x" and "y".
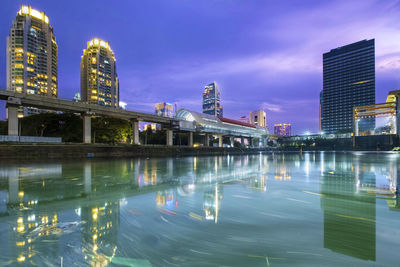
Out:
{"x": 32, "y": 54}
{"x": 258, "y": 118}
{"x": 348, "y": 81}
{"x": 283, "y": 129}
{"x": 211, "y": 100}
{"x": 99, "y": 79}
{"x": 165, "y": 110}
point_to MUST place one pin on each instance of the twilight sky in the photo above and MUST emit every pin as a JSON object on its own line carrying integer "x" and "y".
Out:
{"x": 264, "y": 54}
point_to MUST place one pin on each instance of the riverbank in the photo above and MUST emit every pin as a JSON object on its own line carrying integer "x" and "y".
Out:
{"x": 76, "y": 151}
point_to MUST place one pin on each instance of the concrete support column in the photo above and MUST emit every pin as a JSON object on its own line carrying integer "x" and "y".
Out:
{"x": 87, "y": 129}
{"x": 12, "y": 120}
{"x": 242, "y": 141}
{"x": 170, "y": 135}
{"x": 250, "y": 142}
{"x": 219, "y": 140}
{"x": 190, "y": 139}
{"x": 232, "y": 139}
{"x": 135, "y": 133}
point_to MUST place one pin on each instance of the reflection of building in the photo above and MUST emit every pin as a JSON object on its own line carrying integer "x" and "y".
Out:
{"x": 99, "y": 79}
{"x": 165, "y": 198}
{"x": 348, "y": 81}
{"x": 211, "y": 203}
{"x": 32, "y": 54}
{"x": 100, "y": 232}
{"x": 349, "y": 218}
{"x": 258, "y": 118}
{"x": 258, "y": 183}
{"x": 164, "y": 109}
{"x": 211, "y": 100}
{"x": 283, "y": 129}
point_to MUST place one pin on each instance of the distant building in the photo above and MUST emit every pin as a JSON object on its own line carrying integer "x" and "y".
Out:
{"x": 258, "y": 118}
{"x": 77, "y": 97}
{"x": 244, "y": 119}
{"x": 122, "y": 105}
{"x": 152, "y": 127}
{"x": 211, "y": 100}
{"x": 165, "y": 110}
{"x": 99, "y": 79}
{"x": 283, "y": 129}
{"x": 32, "y": 54}
{"x": 348, "y": 81}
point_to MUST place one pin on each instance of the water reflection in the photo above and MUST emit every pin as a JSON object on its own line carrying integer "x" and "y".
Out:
{"x": 98, "y": 212}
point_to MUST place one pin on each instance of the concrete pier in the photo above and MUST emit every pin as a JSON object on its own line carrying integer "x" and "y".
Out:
{"x": 170, "y": 135}
{"x": 87, "y": 129}
{"x": 12, "y": 120}
{"x": 135, "y": 132}
{"x": 220, "y": 140}
{"x": 190, "y": 139}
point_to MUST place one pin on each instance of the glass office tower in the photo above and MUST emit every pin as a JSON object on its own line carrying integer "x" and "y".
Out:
{"x": 348, "y": 81}
{"x": 211, "y": 100}
{"x": 99, "y": 79}
{"x": 32, "y": 54}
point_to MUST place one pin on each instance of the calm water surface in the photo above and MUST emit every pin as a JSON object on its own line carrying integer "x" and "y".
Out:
{"x": 310, "y": 209}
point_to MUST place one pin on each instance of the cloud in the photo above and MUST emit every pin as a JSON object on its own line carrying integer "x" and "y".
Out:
{"x": 271, "y": 107}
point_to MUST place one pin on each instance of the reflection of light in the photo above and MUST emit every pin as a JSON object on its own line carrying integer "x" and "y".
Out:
{"x": 78, "y": 211}
{"x": 21, "y": 194}
{"x": 20, "y": 243}
{"x": 21, "y": 258}
{"x": 95, "y": 212}
{"x": 123, "y": 202}
{"x": 216, "y": 203}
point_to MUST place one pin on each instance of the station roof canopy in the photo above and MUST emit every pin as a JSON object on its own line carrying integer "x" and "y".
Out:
{"x": 218, "y": 125}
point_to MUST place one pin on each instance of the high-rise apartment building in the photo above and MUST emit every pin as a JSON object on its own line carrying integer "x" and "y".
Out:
{"x": 165, "y": 110}
{"x": 211, "y": 100}
{"x": 348, "y": 81}
{"x": 283, "y": 129}
{"x": 258, "y": 118}
{"x": 32, "y": 54}
{"x": 99, "y": 79}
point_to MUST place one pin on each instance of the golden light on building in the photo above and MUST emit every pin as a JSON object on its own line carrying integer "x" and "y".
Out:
{"x": 99, "y": 79}
{"x": 34, "y": 71}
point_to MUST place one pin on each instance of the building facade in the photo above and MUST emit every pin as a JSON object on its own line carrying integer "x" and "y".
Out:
{"x": 99, "y": 79}
{"x": 211, "y": 100}
{"x": 348, "y": 81}
{"x": 284, "y": 129}
{"x": 258, "y": 118}
{"x": 32, "y": 55}
{"x": 165, "y": 110}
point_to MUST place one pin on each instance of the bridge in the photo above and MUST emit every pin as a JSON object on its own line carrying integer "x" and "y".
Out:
{"x": 186, "y": 121}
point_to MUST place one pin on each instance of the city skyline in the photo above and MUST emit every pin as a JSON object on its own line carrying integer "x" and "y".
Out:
{"x": 276, "y": 74}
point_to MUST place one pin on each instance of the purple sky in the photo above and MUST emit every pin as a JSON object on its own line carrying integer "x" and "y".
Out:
{"x": 263, "y": 54}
